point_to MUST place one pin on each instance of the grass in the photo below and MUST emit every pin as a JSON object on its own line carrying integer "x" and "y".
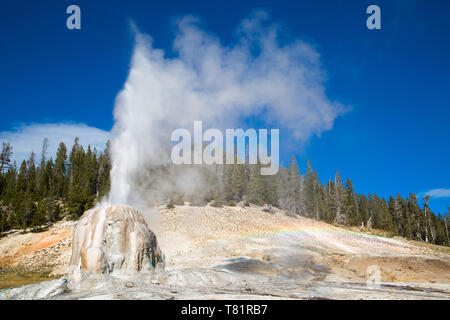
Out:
{"x": 9, "y": 278}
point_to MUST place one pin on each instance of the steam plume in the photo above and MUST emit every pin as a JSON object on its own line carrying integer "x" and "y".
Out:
{"x": 220, "y": 85}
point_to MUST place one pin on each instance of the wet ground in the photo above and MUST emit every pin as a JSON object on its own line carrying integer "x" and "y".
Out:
{"x": 245, "y": 253}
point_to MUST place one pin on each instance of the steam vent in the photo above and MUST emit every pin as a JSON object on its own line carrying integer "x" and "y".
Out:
{"x": 114, "y": 240}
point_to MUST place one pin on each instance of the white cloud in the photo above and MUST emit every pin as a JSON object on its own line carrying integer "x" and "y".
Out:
{"x": 28, "y": 138}
{"x": 437, "y": 193}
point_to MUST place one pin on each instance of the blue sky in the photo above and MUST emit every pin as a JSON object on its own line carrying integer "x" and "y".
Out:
{"x": 396, "y": 80}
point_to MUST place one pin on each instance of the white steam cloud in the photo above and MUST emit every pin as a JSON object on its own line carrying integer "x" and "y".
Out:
{"x": 220, "y": 85}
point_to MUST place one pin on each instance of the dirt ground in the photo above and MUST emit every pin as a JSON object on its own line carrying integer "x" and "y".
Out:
{"x": 270, "y": 253}
{"x": 195, "y": 237}
{"x": 47, "y": 251}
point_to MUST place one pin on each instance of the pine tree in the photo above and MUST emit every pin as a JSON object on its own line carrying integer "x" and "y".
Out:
{"x": 339, "y": 200}
{"x": 47, "y": 181}
{"x": 41, "y": 168}
{"x": 282, "y": 188}
{"x": 237, "y": 182}
{"x": 446, "y": 225}
{"x": 5, "y": 156}
{"x": 79, "y": 197}
{"x": 316, "y": 196}
{"x": 439, "y": 223}
{"x": 18, "y": 200}
{"x": 384, "y": 221}
{"x": 78, "y": 201}
{"x": 270, "y": 190}
{"x": 373, "y": 208}
{"x": 39, "y": 219}
{"x": 293, "y": 196}
{"x": 323, "y": 205}
{"x": 418, "y": 222}
{"x": 430, "y": 232}
{"x": 9, "y": 187}
{"x": 331, "y": 201}
{"x": 364, "y": 210}
{"x": 104, "y": 174}
{"x": 351, "y": 211}
{"x": 255, "y": 185}
{"x": 401, "y": 216}
{"x": 61, "y": 181}
{"x": 227, "y": 180}
{"x": 31, "y": 178}
{"x": 310, "y": 201}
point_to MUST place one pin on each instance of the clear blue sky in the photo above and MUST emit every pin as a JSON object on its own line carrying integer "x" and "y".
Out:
{"x": 395, "y": 138}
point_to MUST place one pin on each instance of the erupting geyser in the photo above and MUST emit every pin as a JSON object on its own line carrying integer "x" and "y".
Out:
{"x": 114, "y": 240}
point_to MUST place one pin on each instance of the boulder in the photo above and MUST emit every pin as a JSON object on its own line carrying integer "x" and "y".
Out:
{"x": 114, "y": 240}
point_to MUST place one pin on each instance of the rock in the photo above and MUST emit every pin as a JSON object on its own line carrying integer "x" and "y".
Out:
{"x": 45, "y": 289}
{"x": 114, "y": 240}
{"x": 268, "y": 208}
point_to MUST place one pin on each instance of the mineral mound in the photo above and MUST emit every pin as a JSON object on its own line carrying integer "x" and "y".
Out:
{"x": 114, "y": 240}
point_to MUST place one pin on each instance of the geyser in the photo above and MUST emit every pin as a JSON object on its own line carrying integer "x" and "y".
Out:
{"x": 114, "y": 240}
{"x": 258, "y": 74}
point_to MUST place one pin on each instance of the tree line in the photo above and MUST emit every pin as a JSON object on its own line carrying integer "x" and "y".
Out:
{"x": 42, "y": 191}
{"x": 39, "y": 193}
{"x": 333, "y": 201}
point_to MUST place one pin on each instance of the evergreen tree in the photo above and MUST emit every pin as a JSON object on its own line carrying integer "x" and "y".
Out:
{"x": 364, "y": 210}
{"x": 446, "y": 222}
{"x": 255, "y": 185}
{"x": 5, "y": 156}
{"x": 331, "y": 201}
{"x": 60, "y": 168}
{"x": 418, "y": 223}
{"x": 430, "y": 232}
{"x": 39, "y": 219}
{"x": 47, "y": 180}
{"x": 384, "y": 220}
{"x": 403, "y": 215}
{"x": 31, "y": 178}
{"x": 310, "y": 196}
{"x": 104, "y": 168}
{"x": 282, "y": 189}
{"x": 18, "y": 200}
{"x": 352, "y": 216}
{"x": 8, "y": 190}
{"x": 293, "y": 198}
{"x": 78, "y": 201}
{"x": 237, "y": 182}
{"x": 41, "y": 168}
{"x": 339, "y": 200}
{"x": 79, "y": 197}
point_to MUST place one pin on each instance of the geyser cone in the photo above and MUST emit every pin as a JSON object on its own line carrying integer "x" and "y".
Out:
{"x": 114, "y": 239}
